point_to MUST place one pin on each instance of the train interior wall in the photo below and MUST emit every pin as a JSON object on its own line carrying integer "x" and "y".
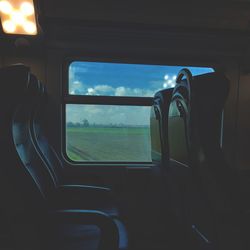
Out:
{"x": 133, "y": 186}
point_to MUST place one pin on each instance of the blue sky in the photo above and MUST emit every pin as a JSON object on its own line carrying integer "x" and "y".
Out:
{"x": 115, "y": 79}
{"x": 92, "y": 78}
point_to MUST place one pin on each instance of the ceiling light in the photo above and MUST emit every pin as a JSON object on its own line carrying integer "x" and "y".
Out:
{"x": 18, "y": 17}
{"x": 9, "y": 26}
{"x": 5, "y": 7}
{"x": 27, "y": 9}
{"x": 29, "y": 27}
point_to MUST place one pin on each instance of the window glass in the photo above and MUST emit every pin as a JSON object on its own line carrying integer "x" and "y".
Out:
{"x": 156, "y": 147}
{"x": 108, "y": 133}
{"x": 120, "y": 79}
{"x": 178, "y": 147}
{"x": 120, "y": 132}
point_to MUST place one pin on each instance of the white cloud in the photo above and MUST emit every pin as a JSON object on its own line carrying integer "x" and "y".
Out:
{"x": 91, "y": 91}
{"x": 120, "y": 91}
{"x": 123, "y": 91}
{"x": 100, "y": 90}
{"x": 104, "y": 88}
{"x": 80, "y": 88}
{"x": 76, "y": 88}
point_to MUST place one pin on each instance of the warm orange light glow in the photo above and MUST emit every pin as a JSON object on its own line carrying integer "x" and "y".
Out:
{"x": 29, "y": 27}
{"x": 18, "y": 17}
{"x": 9, "y": 26}
{"x": 27, "y": 9}
{"x": 5, "y": 7}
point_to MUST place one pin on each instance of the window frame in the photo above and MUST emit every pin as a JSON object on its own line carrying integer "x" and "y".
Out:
{"x": 96, "y": 100}
{"x": 66, "y": 98}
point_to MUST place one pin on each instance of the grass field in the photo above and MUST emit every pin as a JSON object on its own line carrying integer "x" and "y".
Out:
{"x": 108, "y": 144}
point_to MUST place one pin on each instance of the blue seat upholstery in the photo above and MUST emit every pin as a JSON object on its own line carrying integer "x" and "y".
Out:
{"x": 68, "y": 195}
{"x": 27, "y": 187}
{"x": 203, "y": 188}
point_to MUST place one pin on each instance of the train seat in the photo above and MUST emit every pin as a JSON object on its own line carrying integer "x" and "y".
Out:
{"x": 158, "y": 126}
{"x": 203, "y": 187}
{"x": 34, "y": 221}
{"x": 66, "y": 195}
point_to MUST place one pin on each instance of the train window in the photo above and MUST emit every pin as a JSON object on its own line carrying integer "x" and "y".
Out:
{"x": 155, "y": 132}
{"x": 107, "y": 109}
{"x": 120, "y": 79}
{"x": 108, "y": 133}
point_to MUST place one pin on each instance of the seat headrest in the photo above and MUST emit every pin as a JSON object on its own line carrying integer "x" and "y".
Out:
{"x": 14, "y": 81}
{"x": 34, "y": 91}
{"x": 207, "y": 88}
{"x": 211, "y": 87}
{"x": 18, "y": 84}
{"x": 200, "y": 101}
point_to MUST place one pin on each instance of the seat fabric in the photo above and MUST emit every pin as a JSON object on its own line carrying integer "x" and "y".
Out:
{"x": 66, "y": 194}
{"x": 201, "y": 184}
{"x": 26, "y": 186}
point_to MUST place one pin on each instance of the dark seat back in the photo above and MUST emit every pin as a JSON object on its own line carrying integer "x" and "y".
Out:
{"x": 22, "y": 138}
{"x": 198, "y": 175}
{"x": 38, "y": 126}
{"x": 24, "y": 183}
{"x": 159, "y": 125}
{"x": 203, "y": 99}
{"x": 21, "y": 164}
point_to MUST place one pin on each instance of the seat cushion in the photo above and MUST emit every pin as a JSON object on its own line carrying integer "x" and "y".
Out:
{"x": 85, "y": 197}
{"x": 81, "y": 237}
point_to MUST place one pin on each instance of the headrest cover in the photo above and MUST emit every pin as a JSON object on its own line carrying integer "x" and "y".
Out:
{"x": 210, "y": 87}
{"x": 211, "y": 84}
{"x": 14, "y": 81}
{"x": 33, "y": 92}
{"x": 196, "y": 112}
{"x": 205, "y": 91}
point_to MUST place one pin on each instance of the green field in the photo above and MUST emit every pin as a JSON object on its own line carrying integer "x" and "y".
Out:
{"x": 108, "y": 144}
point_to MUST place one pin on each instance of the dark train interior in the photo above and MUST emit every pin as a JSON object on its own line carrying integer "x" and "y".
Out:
{"x": 124, "y": 125}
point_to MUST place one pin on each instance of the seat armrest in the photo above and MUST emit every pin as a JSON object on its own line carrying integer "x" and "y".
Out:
{"x": 83, "y": 197}
{"x": 92, "y": 190}
{"x": 109, "y": 230}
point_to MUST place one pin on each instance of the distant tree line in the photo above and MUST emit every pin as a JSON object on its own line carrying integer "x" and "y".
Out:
{"x": 85, "y": 124}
